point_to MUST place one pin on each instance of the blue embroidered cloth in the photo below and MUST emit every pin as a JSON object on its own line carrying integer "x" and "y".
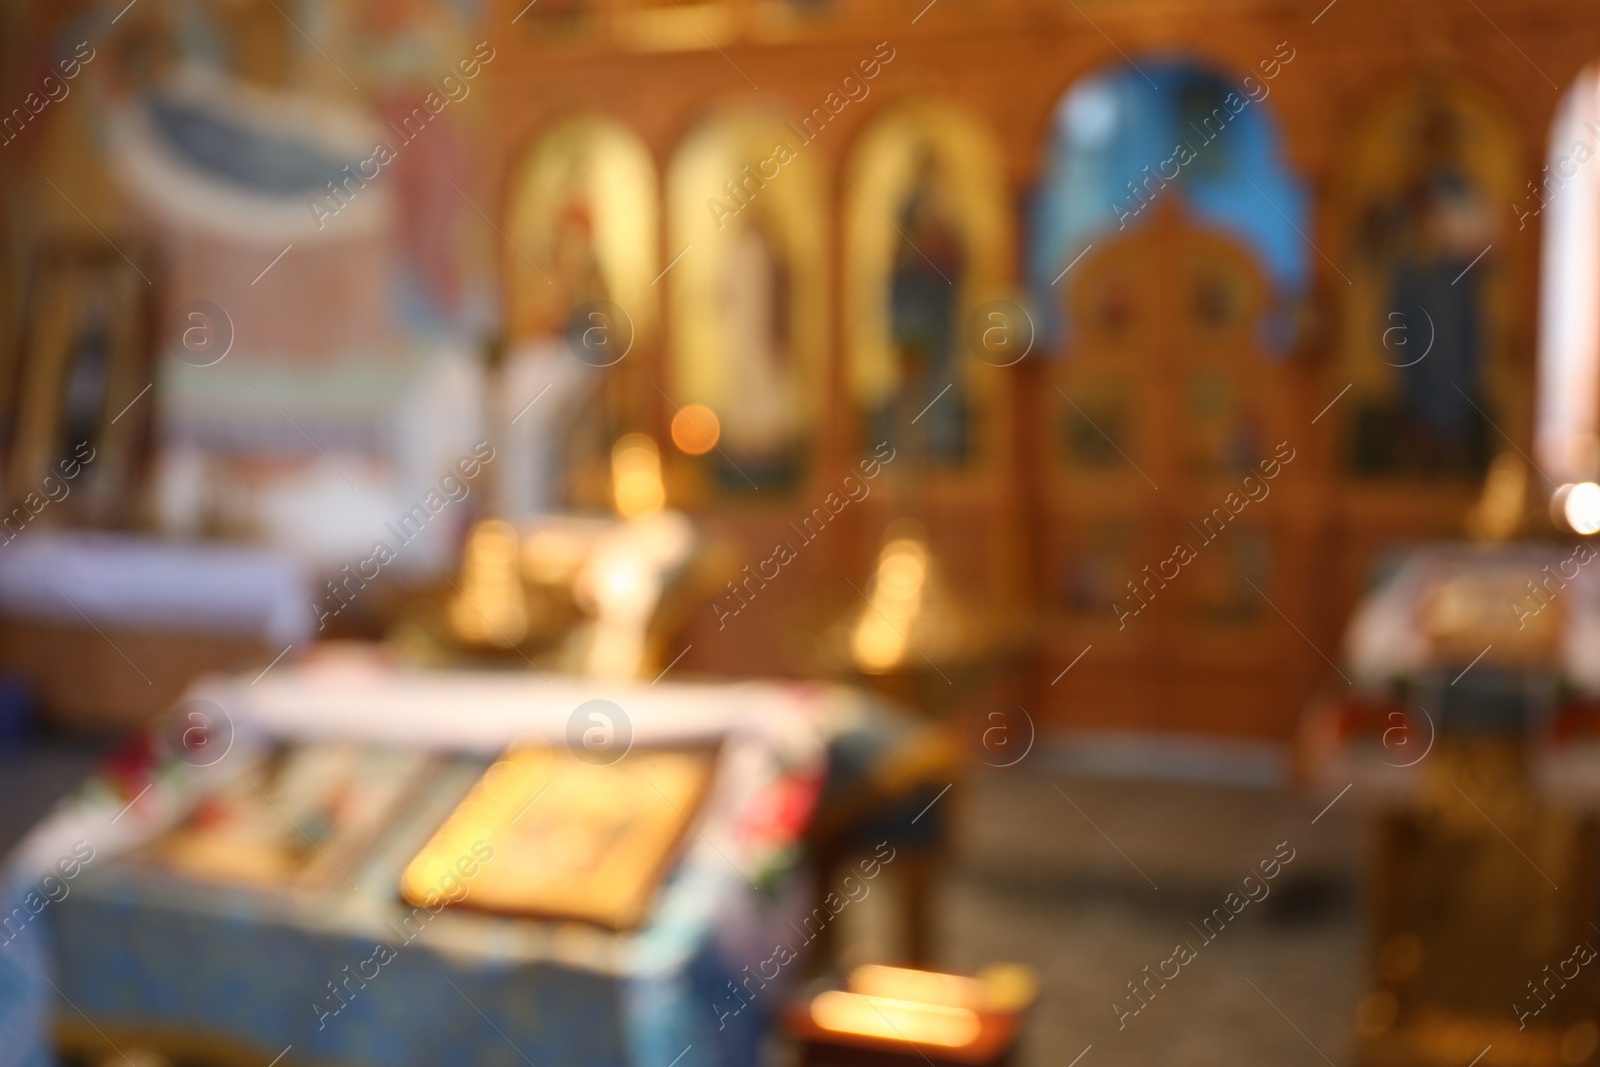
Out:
{"x": 350, "y": 975}
{"x": 135, "y": 949}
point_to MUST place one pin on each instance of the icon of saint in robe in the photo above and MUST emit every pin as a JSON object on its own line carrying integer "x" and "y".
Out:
{"x": 1425, "y": 238}
{"x": 570, "y": 272}
{"x": 87, "y": 384}
{"x": 925, "y": 292}
{"x": 761, "y": 416}
{"x": 553, "y": 318}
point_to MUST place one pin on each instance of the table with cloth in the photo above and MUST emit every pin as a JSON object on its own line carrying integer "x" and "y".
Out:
{"x": 1469, "y": 739}
{"x": 125, "y": 952}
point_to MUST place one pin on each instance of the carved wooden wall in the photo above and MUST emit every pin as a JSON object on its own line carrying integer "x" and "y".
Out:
{"x": 1047, "y": 521}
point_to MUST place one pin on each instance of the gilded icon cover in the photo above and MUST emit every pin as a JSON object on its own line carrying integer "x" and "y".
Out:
{"x": 301, "y": 818}
{"x": 570, "y": 839}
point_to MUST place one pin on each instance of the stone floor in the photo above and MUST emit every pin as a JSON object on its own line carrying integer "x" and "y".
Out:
{"x": 33, "y": 776}
{"x": 1088, "y": 880}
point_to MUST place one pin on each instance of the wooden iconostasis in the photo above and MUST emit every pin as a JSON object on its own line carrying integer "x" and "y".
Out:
{"x": 1170, "y": 347}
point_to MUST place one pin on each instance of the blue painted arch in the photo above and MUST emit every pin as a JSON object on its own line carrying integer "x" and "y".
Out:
{"x": 1123, "y": 138}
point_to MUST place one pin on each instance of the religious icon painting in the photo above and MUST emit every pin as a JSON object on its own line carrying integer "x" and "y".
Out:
{"x": 1226, "y": 577}
{"x": 747, "y": 297}
{"x": 1099, "y": 555}
{"x": 87, "y": 356}
{"x": 595, "y": 849}
{"x": 296, "y": 819}
{"x": 1425, "y": 331}
{"x": 1233, "y": 395}
{"x": 1223, "y": 434}
{"x": 578, "y": 203}
{"x": 928, "y": 244}
{"x": 578, "y": 280}
{"x": 1098, "y": 419}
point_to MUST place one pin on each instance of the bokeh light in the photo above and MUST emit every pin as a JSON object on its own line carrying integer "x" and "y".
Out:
{"x": 636, "y": 477}
{"x": 696, "y": 429}
{"x": 1582, "y": 508}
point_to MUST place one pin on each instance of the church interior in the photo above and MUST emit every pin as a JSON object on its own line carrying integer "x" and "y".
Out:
{"x": 707, "y": 533}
